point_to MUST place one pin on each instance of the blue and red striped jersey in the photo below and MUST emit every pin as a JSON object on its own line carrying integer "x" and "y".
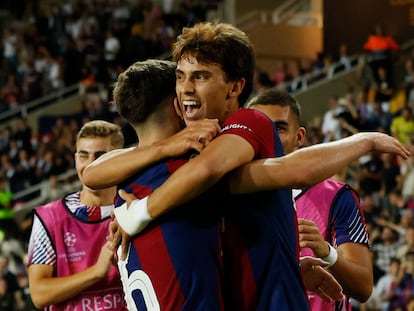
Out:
{"x": 175, "y": 263}
{"x": 260, "y": 240}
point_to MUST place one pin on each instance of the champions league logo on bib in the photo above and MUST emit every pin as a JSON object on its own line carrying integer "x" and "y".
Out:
{"x": 70, "y": 239}
{"x": 72, "y": 254}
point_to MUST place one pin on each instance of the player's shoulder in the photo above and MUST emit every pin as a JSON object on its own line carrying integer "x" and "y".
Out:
{"x": 247, "y": 117}
{"x": 251, "y": 112}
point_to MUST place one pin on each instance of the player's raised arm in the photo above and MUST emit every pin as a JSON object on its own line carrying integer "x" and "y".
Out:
{"x": 310, "y": 165}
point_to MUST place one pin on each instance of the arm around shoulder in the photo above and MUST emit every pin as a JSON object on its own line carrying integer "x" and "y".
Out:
{"x": 117, "y": 165}
{"x": 310, "y": 165}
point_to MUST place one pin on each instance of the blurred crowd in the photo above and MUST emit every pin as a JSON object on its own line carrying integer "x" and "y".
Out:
{"x": 51, "y": 44}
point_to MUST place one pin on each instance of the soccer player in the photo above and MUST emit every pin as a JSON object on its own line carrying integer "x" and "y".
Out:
{"x": 331, "y": 221}
{"x": 70, "y": 262}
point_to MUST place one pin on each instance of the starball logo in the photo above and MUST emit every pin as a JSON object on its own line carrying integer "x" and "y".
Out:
{"x": 70, "y": 239}
{"x": 72, "y": 254}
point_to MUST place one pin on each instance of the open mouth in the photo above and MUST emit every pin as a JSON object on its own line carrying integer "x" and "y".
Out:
{"x": 191, "y": 109}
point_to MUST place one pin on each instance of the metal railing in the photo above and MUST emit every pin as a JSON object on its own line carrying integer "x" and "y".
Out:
{"x": 24, "y": 109}
{"x": 289, "y": 12}
{"x": 26, "y": 200}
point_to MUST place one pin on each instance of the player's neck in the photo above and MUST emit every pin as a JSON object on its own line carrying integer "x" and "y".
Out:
{"x": 148, "y": 138}
{"x": 147, "y": 135}
{"x": 102, "y": 197}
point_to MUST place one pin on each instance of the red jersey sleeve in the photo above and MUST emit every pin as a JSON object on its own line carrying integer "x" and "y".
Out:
{"x": 256, "y": 128}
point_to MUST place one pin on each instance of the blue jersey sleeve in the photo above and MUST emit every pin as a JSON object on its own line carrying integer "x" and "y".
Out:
{"x": 348, "y": 219}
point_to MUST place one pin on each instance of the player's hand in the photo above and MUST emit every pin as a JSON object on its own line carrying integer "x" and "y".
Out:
{"x": 309, "y": 236}
{"x": 118, "y": 237}
{"x": 195, "y": 136}
{"x": 105, "y": 260}
{"x": 316, "y": 279}
{"x": 114, "y": 235}
{"x": 384, "y": 143}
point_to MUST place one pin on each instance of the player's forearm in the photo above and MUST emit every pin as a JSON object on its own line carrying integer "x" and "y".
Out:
{"x": 350, "y": 264}
{"x": 186, "y": 183}
{"x": 220, "y": 157}
{"x": 304, "y": 167}
{"x": 116, "y": 166}
{"x": 314, "y": 164}
{"x": 355, "y": 277}
{"x": 52, "y": 290}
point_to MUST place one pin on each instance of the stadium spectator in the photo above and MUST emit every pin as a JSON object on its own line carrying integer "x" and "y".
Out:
{"x": 402, "y": 126}
{"x": 381, "y": 48}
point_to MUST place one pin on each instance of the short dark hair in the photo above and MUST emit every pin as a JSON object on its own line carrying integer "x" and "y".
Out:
{"x": 276, "y": 97}
{"x": 221, "y": 44}
{"x": 141, "y": 89}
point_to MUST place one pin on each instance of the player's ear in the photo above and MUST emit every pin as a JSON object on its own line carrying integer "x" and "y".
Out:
{"x": 301, "y": 135}
{"x": 236, "y": 88}
{"x": 178, "y": 108}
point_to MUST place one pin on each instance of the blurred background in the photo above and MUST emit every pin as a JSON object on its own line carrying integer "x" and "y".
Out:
{"x": 59, "y": 59}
